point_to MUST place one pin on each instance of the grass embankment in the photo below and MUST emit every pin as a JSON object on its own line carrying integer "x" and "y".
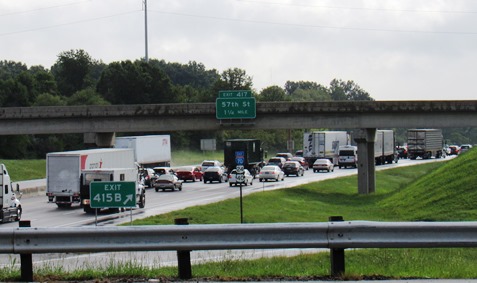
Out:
{"x": 432, "y": 192}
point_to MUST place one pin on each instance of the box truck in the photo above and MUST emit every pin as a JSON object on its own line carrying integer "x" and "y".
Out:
{"x": 63, "y": 170}
{"x": 11, "y": 208}
{"x": 424, "y": 143}
{"x": 323, "y": 144}
{"x": 245, "y": 152}
{"x": 149, "y": 151}
{"x": 109, "y": 175}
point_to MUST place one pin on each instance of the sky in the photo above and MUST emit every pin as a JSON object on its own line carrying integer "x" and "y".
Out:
{"x": 392, "y": 49}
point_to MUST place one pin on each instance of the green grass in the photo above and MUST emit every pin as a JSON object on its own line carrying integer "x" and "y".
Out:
{"x": 186, "y": 157}
{"x": 441, "y": 191}
{"x": 21, "y": 170}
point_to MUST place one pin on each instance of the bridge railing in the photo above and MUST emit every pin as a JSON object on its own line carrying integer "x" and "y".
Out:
{"x": 333, "y": 235}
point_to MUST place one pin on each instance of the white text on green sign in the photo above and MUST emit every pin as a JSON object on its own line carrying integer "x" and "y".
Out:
{"x": 112, "y": 194}
{"x": 235, "y": 93}
{"x": 235, "y": 108}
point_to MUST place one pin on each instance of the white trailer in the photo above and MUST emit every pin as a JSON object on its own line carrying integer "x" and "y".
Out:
{"x": 149, "y": 151}
{"x": 323, "y": 144}
{"x": 384, "y": 148}
{"x": 110, "y": 175}
{"x": 11, "y": 208}
{"x": 63, "y": 170}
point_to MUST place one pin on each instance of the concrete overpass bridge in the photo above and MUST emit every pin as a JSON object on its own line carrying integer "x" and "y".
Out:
{"x": 99, "y": 123}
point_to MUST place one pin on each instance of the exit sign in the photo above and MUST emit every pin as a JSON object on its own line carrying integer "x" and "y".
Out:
{"x": 112, "y": 194}
{"x": 235, "y": 108}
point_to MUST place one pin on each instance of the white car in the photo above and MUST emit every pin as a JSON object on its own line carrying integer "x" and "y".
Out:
{"x": 271, "y": 172}
{"x": 323, "y": 164}
{"x": 248, "y": 178}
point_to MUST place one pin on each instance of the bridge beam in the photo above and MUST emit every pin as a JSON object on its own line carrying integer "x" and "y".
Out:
{"x": 365, "y": 139}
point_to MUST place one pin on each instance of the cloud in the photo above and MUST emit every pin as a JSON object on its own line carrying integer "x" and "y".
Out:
{"x": 395, "y": 50}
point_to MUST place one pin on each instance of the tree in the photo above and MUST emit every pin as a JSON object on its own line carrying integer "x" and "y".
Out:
{"x": 86, "y": 96}
{"x": 291, "y": 87}
{"x": 310, "y": 95}
{"x": 231, "y": 79}
{"x": 72, "y": 71}
{"x": 272, "y": 93}
{"x": 341, "y": 90}
{"x": 135, "y": 83}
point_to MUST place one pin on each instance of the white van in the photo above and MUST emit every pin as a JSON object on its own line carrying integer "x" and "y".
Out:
{"x": 348, "y": 156}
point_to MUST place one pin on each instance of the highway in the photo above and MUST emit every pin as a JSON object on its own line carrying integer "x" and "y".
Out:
{"x": 43, "y": 214}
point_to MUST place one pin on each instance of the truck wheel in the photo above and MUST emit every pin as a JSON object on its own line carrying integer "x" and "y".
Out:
{"x": 142, "y": 200}
{"x": 19, "y": 214}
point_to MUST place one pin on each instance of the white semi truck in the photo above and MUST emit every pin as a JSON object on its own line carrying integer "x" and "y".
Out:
{"x": 149, "y": 151}
{"x": 323, "y": 145}
{"x": 11, "y": 208}
{"x": 109, "y": 175}
{"x": 63, "y": 170}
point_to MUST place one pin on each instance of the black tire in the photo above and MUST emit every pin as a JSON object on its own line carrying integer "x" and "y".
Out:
{"x": 180, "y": 188}
{"x": 142, "y": 200}
{"x": 157, "y": 189}
{"x": 205, "y": 182}
{"x": 260, "y": 180}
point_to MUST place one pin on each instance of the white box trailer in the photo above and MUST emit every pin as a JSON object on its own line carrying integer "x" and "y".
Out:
{"x": 63, "y": 170}
{"x": 384, "y": 148}
{"x": 149, "y": 151}
{"x": 323, "y": 144}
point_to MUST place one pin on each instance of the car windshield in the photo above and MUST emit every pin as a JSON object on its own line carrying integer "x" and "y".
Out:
{"x": 212, "y": 169}
{"x": 321, "y": 161}
{"x": 291, "y": 164}
{"x": 346, "y": 152}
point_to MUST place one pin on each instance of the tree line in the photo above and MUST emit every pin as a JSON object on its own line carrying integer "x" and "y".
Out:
{"x": 77, "y": 79}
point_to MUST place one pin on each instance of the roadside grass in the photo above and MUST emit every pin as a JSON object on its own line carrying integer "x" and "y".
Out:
{"x": 187, "y": 157}
{"x": 441, "y": 191}
{"x": 25, "y": 169}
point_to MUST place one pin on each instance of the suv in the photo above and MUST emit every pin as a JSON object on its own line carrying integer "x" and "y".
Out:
{"x": 293, "y": 168}
{"x": 214, "y": 173}
{"x": 210, "y": 163}
{"x": 278, "y": 161}
{"x": 285, "y": 155}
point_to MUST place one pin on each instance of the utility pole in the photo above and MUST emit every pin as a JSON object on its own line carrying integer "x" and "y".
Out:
{"x": 146, "y": 57}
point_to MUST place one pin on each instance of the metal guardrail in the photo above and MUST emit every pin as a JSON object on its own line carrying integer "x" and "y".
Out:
{"x": 334, "y": 235}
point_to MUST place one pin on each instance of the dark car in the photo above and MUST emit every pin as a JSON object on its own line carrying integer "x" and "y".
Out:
{"x": 302, "y": 161}
{"x": 277, "y": 161}
{"x": 168, "y": 182}
{"x": 189, "y": 173}
{"x": 293, "y": 168}
{"x": 214, "y": 173}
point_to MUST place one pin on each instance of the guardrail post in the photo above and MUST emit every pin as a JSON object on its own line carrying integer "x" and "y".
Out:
{"x": 337, "y": 255}
{"x": 26, "y": 260}
{"x": 183, "y": 257}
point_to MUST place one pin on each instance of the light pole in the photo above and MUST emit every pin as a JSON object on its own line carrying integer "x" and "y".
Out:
{"x": 146, "y": 57}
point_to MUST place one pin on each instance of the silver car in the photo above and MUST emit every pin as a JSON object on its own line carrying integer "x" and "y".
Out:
{"x": 271, "y": 172}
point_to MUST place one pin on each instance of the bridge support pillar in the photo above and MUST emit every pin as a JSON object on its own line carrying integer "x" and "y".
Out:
{"x": 101, "y": 140}
{"x": 366, "y": 164}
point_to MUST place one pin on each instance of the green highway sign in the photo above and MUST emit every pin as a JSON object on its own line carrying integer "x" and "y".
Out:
{"x": 235, "y": 108}
{"x": 235, "y": 93}
{"x": 112, "y": 194}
